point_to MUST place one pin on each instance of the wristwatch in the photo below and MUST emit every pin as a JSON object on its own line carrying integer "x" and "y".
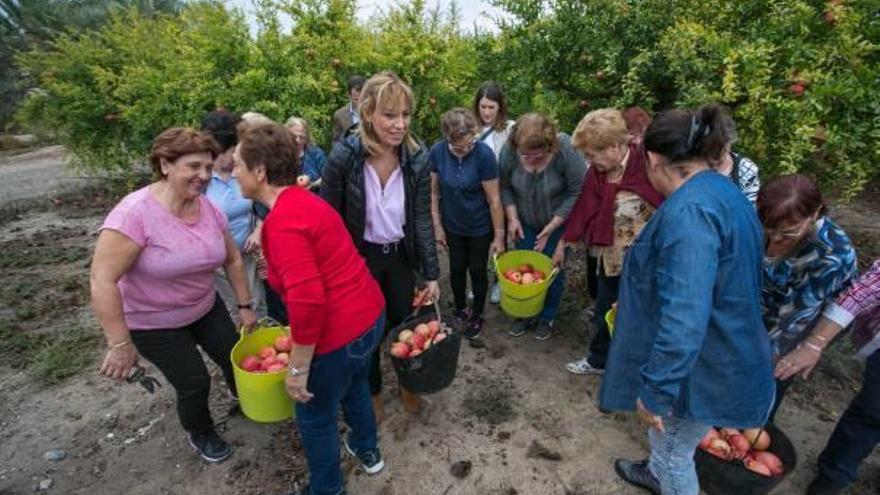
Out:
{"x": 246, "y": 306}
{"x": 292, "y": 371}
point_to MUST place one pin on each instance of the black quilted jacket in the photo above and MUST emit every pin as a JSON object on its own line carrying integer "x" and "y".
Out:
{"x": 343, "y": 187}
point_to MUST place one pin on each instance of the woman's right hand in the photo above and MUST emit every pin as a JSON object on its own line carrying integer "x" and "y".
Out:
{"x": 118, "y": 362}
{"x": 514, "y": 230}
{"x": 559, "y": 254}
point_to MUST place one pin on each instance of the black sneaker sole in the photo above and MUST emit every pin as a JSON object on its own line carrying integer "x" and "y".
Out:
{"x": 207, "y": 457}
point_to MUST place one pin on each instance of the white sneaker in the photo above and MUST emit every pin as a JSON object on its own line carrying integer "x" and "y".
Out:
{"x": 583, "y": 367}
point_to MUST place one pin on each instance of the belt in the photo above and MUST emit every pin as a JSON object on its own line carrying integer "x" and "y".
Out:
{"x": 391, "y": 247}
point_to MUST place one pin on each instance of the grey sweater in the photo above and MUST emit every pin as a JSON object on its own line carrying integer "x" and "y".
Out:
{"x": 552, "y": 192}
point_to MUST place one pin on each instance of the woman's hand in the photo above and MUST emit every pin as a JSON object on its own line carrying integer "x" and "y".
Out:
{"x": 497, "y": 246}
{"x": 649, "y": 418}
{"x": 800, "y": 361}
{"x": 252, "y": 243}
{"x": 247, "y": 318}
{"x": 296, "y": 387}
{"x": 514, "y": 230}
{"x": 433, "y": 288}
{"x": 440, "y": 236}
{"x": 118, "y": 362}
{"x": 558, "y": 257}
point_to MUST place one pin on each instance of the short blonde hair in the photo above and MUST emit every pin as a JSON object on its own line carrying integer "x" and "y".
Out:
{"x": 300, "y": 122}
{"x": 384, "y": 90}
{"x": 533, "y": 131}
{"x": 599, "y": 130}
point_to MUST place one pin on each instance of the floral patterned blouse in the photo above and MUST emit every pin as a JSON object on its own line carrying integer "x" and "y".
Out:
{"x": 631, "y": 213}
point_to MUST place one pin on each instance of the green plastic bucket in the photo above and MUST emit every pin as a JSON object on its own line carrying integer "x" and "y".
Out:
{"x": 524, "y": 301}
{"x": 262, "y": 396}
{"x": 610, "y": 315}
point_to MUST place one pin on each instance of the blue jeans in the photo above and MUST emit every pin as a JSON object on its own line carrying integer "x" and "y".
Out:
{"x": 672, "y": 455}
{"x": 338, "y": 377}
{"x": 858, "y": 431}
{"x": 554, "y": 294}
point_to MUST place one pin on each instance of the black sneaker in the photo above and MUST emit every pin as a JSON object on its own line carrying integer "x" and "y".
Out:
{"x": 825, "y": 486}
{"x": 521, "y": 326}
{"x": 638, "y": 474}
{"x": 371, "y": 460}
{"x": 473, "y": 327}
{"x": 544, "y": 330}
{"x": 210, "y": 446}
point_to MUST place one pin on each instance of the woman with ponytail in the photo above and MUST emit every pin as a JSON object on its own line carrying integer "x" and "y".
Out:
{"x": 688, "y": 328}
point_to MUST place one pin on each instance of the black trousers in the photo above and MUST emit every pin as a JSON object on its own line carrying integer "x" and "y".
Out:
{"x": 469, "y": 255}
{"x": 592, "y": 285}
{"x": 174, "y": 352}
{"x": 606, "y": 295}
{"x": 275, "y": 305}
{"x": 396, "y": 278}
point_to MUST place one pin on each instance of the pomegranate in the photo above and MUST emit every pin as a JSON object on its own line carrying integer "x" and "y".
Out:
{"x": 276, "y": 368}
{"x": 758, "y": 438}
{"x": 268, "y": 352}
{"x": 439, "y": 337}
{"x": 739, "y": 445}
{"x": 527, "y": 278}
{"x": 758, "y": 468}
{"x": 267, "y": 363}
{"x": 720, "y": 445}
{"x": 771, "y": 461}
{"x": 422, "y": 329}
{"x": 400, "y": 350}
{"x": 283, "y": 343}
{"x": 418, "y": 342}
{"x": 415, "y": 352}
{"x": 405, "y": 336}
{"x": 707, "y": 438}
{"x": 525, "y": 268}
{"x": 727, "y": 432}
{"x": 250, "y": 363}
{"x": 434, "y": 326}
{"x": 516, "y": 277}
{"x": 283, "y": 358}
{"x": 538, "y": 274}
{"x": 719, "y": 454}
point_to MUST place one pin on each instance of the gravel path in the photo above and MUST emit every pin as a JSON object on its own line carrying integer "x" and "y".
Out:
{"x": 35, "y": 174}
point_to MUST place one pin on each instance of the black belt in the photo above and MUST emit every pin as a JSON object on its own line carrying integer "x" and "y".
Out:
{"x": 391, "y": 247}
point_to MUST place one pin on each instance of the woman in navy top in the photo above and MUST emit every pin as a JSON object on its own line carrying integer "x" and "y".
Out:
{"x": 466, "y": 208}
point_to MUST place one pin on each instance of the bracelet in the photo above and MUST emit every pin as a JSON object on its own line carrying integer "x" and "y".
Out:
{"x": 293, "y": 371}
{"x": 819, "y": 338}
{"x": 120, "y": 344}
{"x": 812, "y": 346}
{"x": 246, "y": 306}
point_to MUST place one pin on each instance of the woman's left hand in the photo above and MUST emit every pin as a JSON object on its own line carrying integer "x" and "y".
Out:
{"x": 649, "y": 418}
{"x": 252, "y": 243}
{"x": 800, "y": 361}
{"x": 296, "y": 387}
{"x": 433, "y": 288}
{"x": 497, "y": 246}
{"x": 247, "y": 318}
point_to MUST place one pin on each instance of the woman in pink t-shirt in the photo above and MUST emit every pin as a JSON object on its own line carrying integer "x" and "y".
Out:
{"x": 152, "y": 282}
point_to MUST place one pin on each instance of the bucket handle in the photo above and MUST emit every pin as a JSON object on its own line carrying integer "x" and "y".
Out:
{"x": 263, "y": 322}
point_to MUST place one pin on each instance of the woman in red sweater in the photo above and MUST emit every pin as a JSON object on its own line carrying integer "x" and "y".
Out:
{"x": 335, "y": 306}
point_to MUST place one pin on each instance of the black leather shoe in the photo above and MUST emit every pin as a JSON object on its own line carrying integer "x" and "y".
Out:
{"x": 638, "y": 474}
{"x": 210, "y": 446}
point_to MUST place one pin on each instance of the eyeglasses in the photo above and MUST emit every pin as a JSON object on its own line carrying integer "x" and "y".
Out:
{"x": 788, "y": 234}
{"x": 463, "y": 148}
{"x": 533, "y": 155}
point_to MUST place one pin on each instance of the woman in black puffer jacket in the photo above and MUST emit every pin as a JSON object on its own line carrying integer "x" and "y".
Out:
{"x": 380, "y": 183}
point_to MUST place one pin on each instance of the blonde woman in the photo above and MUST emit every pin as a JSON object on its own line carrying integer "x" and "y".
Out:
{"x": 379, "y": 181}
{"x": 310, "y": 155}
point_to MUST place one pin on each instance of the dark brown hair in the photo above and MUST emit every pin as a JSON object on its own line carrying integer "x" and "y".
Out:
{"x": 789, "y": 199}
{"x": 637, "y": 120}
{"x": 176, "y": 142}
{"x": 492, "y": 91}
{"x": 458, "y": 122}
{"x": 270, "y": 145}
{"x": 533, "y": 131}
{"x": 682, "y": 135}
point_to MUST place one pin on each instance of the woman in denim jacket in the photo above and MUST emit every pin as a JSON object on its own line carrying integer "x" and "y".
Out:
{"x": 688, "y": 330}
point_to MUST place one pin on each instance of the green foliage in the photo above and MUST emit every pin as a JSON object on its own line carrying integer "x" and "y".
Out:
{"x": 108, "y": 92}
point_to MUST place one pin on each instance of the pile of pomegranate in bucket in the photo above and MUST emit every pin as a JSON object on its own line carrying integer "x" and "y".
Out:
{"x": 524, "y": 274}
{"x": 748, "y": 446}
{"x": 411, "y": 343}
{"x": 270, "y": 359}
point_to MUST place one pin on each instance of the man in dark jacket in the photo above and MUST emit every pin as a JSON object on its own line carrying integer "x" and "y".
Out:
{"x": 347, "y": 116}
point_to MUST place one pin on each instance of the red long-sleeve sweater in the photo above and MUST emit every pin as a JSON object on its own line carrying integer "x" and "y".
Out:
{"x": 330, "y": 295}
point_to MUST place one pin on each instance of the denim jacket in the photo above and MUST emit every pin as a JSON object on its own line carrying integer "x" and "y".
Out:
{"x": 689, "y": 340}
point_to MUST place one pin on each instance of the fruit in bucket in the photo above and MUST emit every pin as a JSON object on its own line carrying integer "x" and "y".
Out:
{"x": 758, "y": 438}
{"x": 524, "y": 274}
{"x": 283, "y": 343}
{"x": 411, "y": 343}
{"x": 525, "y": 268}
{"x": 250, "y": 363}
{"x": 758, "y": 467}
{"x": 527, "y": 278}
{"x": 707, "y": 438}
{"x": 771, "y": 461}
{"x": 283, "y": 358}
{"x": 268, "y": 352}
{"x": 269, "y": 359}
{"x": 748, "y": 445}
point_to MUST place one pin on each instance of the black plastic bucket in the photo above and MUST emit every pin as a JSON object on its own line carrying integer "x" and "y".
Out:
{"x": 720, "y": 477}
{"x": 434, "y": 369}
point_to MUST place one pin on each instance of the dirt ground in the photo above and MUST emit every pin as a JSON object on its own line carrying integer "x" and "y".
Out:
{"x": 520, "y": 422}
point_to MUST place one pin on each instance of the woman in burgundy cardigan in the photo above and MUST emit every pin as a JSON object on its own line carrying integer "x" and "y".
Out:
{"x": 615, "y": 203}
{"x": 335, "y": 307}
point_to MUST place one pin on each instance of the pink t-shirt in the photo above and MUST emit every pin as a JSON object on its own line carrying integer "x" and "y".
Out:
{"x": 385, "y": 207}
{"x": 172, "y": 282}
